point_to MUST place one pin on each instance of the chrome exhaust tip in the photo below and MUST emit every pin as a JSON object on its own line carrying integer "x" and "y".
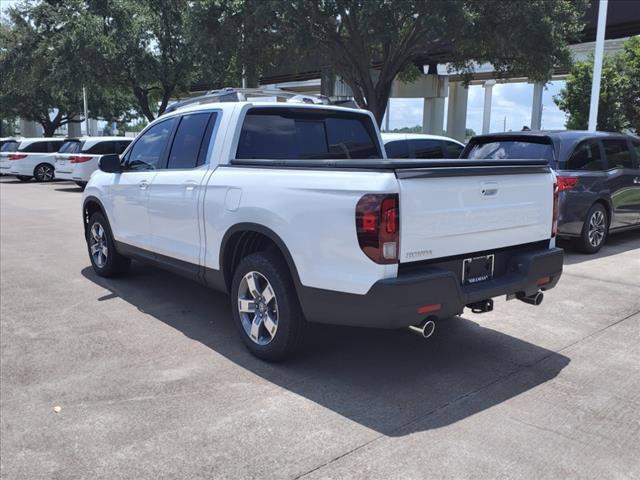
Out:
{"x": 425, "y": 329}
{"x": 535, "y": 299}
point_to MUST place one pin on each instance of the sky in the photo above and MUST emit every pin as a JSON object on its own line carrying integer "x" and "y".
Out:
{"x": 509, "y": 100}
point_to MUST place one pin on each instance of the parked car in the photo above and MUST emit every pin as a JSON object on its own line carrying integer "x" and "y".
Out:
{"x": 417, "y": 145}
{"x": 34, "y": 159}
{"x": 78, "y": 158}
{"x": 295, "y": 211}
{"x": 7, "y": 146}
{"x": 598, "y": 177}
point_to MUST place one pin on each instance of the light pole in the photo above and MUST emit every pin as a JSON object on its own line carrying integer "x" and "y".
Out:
{"x": 597, "y": 65}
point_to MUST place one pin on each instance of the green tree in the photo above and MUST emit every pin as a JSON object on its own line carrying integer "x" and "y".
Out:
{"x": 619, "y": 102}
{"x": 44, "y": 69}
{"x": 370, "y": 43}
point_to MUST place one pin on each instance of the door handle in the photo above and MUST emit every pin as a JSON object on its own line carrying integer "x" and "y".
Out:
{"x": 143, "y": 185}
{"x": 190, "y": 185}
{"x": 636, "y": 180}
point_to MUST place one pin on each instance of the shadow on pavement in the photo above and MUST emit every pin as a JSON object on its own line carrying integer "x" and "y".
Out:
{"x": 616, "y": 243}
{"x": 70, "y": 189}
{"x": 391, "y": 381}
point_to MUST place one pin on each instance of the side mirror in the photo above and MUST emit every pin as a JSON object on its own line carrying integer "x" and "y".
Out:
{"x": 110, "y": 163}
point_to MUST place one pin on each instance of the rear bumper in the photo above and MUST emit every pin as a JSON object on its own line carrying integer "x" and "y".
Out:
{"x": 394, "y": 302}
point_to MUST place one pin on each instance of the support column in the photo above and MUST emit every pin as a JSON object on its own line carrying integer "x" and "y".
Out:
{"x": 486, "y": 113}
{"x": 457, "y": 114}
{"x": 433, "y": 115}
{"x": 74, "y": 129}
{"x": 29, "y": 128}
{"x": 386, "y": 115}
{"x": 536, "y": 108}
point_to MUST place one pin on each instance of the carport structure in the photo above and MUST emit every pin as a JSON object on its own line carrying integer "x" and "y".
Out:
{"x": 439, "y": 85}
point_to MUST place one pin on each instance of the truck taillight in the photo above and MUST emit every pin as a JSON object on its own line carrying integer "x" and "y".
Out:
{"x": 556, "y": 208}
{"x": 79, "y": 158}
{"x": 17, "y": 156}
{"x": 566, "y": 183}
{"x": 378, "y": 227}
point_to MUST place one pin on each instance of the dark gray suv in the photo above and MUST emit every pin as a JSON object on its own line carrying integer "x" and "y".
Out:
{"x": 598, "y": 177}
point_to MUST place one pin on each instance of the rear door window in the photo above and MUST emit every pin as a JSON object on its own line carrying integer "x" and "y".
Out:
{"x": 55, "y": 145}
{"x": 36, "y": 147}
{"x": 71, "y": 146}
{"x": 425, "y": 149}
{"x": 189, "y": 141}
{"x": 618, "y": 153}
{"x": 397, "y": 149}
{"x": 516, "y": 149}
{"x": 586, "y": 156}
{"x": 288, "y": 134}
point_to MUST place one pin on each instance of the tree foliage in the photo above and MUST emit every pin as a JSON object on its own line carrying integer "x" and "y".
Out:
{"x": 619, "y": 102}
{"x": 521, "y": 37}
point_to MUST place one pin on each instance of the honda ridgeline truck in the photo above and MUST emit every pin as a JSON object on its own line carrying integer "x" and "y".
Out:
{"x": 294, "y": 210}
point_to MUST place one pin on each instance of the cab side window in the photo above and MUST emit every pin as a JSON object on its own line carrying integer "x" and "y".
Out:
{"x": 397, "y": 149}
{"x": 586, "y": 156}
{"x": 147, "y": 152}
{"x": 191, "y": 141}
{"x": 425, "y": 148}
{"x": 618, "y": 153}
{"x": 452, "y": 150}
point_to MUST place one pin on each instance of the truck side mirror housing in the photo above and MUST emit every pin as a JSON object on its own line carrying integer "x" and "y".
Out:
{"x": 110, "y": 163}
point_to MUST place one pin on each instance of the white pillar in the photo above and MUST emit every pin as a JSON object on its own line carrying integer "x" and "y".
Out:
{"x": 386, "y": 115}
{"x": 29, "y": 128}
{"x": 457, "y": 112}
{"x": 597, "y": 65}
{"x": 433, "y": 115}
{"x": 536, "y": 107}
{"x": 74, "y": 129}
{"x": 486, "y": 113}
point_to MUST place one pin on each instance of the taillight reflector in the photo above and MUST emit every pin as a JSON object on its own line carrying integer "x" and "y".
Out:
{"x": 566, "y": 183}
{"x": 378, "y": 227}
{"x": 79, "y": 159}
{"x": 434, "y": 307}
{"x": 556, "y": 208}
{"x": 543, "y": 281}
{"x": 17, "y": 156}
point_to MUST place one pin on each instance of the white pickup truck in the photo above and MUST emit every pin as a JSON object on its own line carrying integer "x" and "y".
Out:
{"x": 293, "y": 209}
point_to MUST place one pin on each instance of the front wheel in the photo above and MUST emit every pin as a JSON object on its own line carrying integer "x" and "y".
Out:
{"x": 44, "y": 172}
{"x": 265, "y": 307}
{"x": 105, "y": 260}
{"x": 595, "y": 229}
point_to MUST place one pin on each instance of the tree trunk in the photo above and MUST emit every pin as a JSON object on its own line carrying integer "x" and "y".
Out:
{"x": 142, "y": 95}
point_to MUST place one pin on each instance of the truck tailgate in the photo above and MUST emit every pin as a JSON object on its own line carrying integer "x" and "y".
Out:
{"x": 447, "y": 211}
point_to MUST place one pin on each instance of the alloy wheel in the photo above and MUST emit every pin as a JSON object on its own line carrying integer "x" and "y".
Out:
{"x": 258, "y": 308}
{"x": 98, "y": 245}
{"x": 597, "y": 228}
{"x": 44, "y": 173}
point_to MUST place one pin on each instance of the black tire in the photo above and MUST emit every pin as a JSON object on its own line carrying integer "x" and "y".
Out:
{"x": 82, "y": 185}
{"x": 595, "y": 230}
{"x": 114, "y": 264}
{"x": 291, "y": 324}
{"x": 24, "y": 178}
{"x": 44, "y": 172}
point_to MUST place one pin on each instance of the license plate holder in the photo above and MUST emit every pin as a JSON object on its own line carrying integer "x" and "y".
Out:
{"x": 477, "y": 269}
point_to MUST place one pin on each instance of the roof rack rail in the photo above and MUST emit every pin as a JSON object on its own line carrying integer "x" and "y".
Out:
{"x": 230, "y": 94}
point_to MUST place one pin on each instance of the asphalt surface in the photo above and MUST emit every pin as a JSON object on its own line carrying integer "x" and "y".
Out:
{"x": 150, "y": 380}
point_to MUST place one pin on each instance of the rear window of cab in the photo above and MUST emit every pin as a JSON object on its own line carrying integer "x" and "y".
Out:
{"x": 296, "y": 133}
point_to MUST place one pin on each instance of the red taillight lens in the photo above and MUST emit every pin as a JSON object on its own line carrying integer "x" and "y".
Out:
{"x": 566, "y": 183}
{"x": 378, "y": 227}
{"x": 17, "y": 156}
{"x": 79, "y": 159}
{"x": 556, "y": 208}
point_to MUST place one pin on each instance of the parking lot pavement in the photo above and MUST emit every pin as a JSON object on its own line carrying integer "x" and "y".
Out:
{"x": 152, "y": 382}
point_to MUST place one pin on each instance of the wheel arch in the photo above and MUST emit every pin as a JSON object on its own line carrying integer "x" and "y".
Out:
{"x": 44, "y": 163}
{"x": 243, "y": 239}
{"x": 91, "y": 205}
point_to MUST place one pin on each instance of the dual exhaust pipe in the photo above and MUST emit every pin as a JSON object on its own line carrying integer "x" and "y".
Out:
{"x": 428, "y": 327}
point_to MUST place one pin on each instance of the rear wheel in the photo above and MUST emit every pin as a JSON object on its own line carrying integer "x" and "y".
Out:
{"x": 24, "y": 178}
{"x": 265, "y": 307}
{"x": 105, "y": 260}
{"x": 44, "y": 172}
{"x": 595, "y": 229}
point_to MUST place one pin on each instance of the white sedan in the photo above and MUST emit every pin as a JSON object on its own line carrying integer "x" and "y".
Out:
{"x": 419, "y": 145}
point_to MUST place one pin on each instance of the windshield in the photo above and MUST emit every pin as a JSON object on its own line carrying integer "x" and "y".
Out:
{"x": 70, "y": 146}
{"x": 9, "y": 147}
{"x": 511, "y": 149}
